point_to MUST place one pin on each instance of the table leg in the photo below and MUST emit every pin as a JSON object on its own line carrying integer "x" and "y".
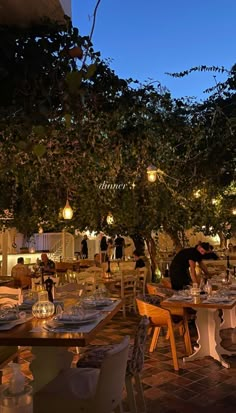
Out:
{"x": 229, "y": 319}
{"x": 208, "y": 327}
{"x": 48, "y": 362}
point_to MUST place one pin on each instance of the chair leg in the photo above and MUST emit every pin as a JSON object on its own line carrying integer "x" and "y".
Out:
{"x": 139, "y": 388}
{"x": 130, "y": 394}
{"x": 173, "y": 349}
{"x": 1, "y": 375}
{"x": 124, "y": 310}
{"x": 187, "y": 339}
{"x": 167, "y": 334}
{"x": 154, "y": 339}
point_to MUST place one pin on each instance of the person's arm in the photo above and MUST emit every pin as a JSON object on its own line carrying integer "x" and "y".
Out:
{"x": 192, "y": 266}
{"x": 204, "y": 269}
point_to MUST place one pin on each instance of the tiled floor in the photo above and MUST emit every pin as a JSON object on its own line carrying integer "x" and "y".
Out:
{"x": 203, "y": 385}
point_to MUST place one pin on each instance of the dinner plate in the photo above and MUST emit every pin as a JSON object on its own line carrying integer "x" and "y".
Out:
{"x": 76, "y": 322}
{"x": 9, "y": 320}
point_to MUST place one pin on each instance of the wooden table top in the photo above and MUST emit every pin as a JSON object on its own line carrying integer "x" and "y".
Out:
{"x": 21, "y": 335}
{"x": 191, "y": 304}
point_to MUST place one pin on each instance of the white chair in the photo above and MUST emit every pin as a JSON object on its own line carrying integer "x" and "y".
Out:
{"x": 35, "y": 281}
{"x": 87, "y": 390}
{"x": 11, "y": 296}
{"x": 56, "y": 280}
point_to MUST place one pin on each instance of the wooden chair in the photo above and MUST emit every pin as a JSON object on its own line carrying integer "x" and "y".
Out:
{"x": 7, "y": 354}
{"x": 126, "y": 265}
{"x": 94, "y": 356}
{"x": 141, "y": 279}
{"x": 161, "y": 317}
{"x": 94, "y": 269}
{"x": 89, "y": 279}
{"x": 87, "y": 390}
{"x": 125, "y": 289}
{"x": 11, "y": 296}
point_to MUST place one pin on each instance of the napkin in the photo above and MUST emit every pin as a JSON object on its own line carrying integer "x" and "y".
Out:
{"x": 180, "y": 298}
{"x": 77, "y": 317}
{"x": 218, "y": 300}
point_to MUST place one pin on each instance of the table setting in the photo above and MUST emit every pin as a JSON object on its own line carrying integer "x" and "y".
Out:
{"x": 11, "y": 317}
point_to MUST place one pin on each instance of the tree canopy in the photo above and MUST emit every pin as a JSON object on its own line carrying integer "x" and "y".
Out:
{"x": 69, "y": 124}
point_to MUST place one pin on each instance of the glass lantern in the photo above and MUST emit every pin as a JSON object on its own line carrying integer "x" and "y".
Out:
{"x": 43, "y": 308}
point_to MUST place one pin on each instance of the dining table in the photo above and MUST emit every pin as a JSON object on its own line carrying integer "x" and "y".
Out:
{"x": 209, "y": 323}
{"x": 50, "y": 346}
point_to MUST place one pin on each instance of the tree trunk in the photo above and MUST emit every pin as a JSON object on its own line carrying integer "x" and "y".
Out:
{"x": 175, "y": 238}
{"x": 152, "y": 252}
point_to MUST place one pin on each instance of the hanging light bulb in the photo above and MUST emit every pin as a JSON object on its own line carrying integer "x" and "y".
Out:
{"x": 234, "y": 211}
{"x": 110, "y": 219}
{"x": 152, "y": 173}
{"x": 67, "y": 212}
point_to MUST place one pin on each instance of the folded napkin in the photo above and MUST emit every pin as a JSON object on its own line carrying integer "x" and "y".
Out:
{"x": 13, "y": 323}
{"x": 77, "y": 317}
{"x": 8, "y": 317}
{"x": 180, "y": 298}
{"x": 213, "y": 299}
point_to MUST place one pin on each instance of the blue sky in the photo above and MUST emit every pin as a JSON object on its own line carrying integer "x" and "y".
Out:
{"x": 146, "y": 39}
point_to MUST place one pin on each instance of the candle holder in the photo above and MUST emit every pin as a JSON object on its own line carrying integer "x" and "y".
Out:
{"x": 43, "y": 308}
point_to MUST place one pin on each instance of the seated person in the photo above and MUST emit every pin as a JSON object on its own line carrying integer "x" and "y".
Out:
{"x": 97, "y": 260}
{"x": 47, "y": 264}
{"x": 21, "y": 274}
{"x": 139, "y": 261}
{"x": 142, "y": 261}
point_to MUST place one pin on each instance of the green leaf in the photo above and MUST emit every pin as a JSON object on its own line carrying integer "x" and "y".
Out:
{"x": 67, "y": 120}
{"x": 90, "y": 71}
{"x": 39, "y": 130}
{"x": 73, "y": 80}
{"x": 39, "y": 150}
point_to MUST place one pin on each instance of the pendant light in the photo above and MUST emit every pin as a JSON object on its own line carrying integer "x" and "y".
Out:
{"x": 151, "y": 173}
{"x": 67, "y": 212}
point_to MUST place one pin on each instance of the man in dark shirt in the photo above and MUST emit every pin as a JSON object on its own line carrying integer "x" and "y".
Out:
{"x": 139, "y": 261}
{"x": 211, "y": 255}
{"x": 47, "y": 264}
{"x": 119, "y": 244}
{"x": 84, "y": 247}
{"x": 182, "y": 268}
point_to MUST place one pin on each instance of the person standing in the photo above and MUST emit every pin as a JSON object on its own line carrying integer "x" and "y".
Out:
{"x": 183, "y": 266}
{"x": 103, "y": 247}
{"x": 110, "y": 249}
{"x": 119, "y": 244}
{"x": 84, "y": 247}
